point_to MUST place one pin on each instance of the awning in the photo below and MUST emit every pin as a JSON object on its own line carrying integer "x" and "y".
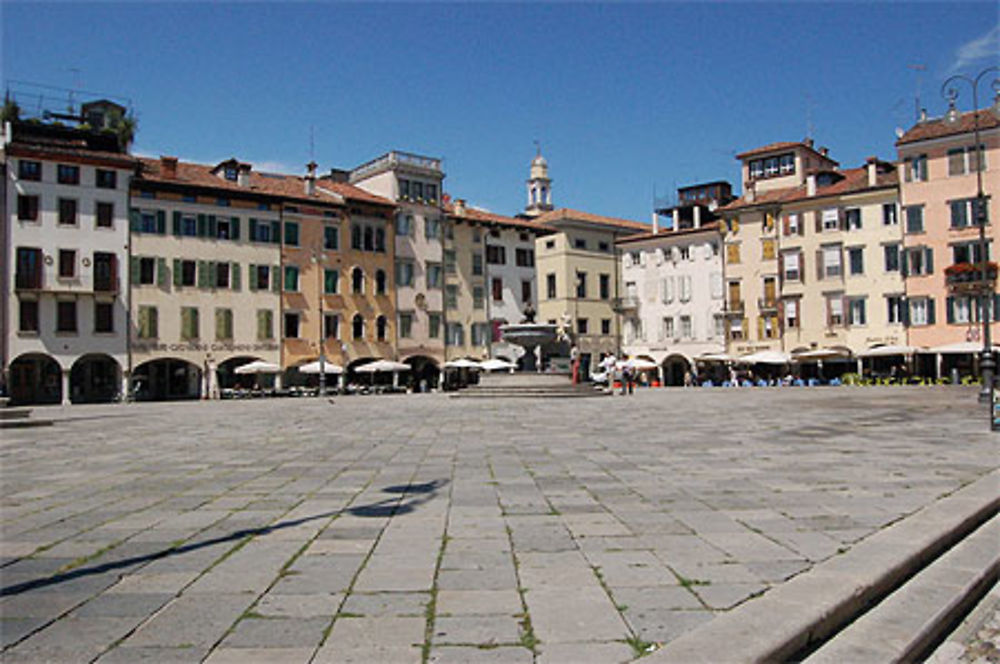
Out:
{"x": 766, "y": 357}
{"x": 960, "y": 348}
{"x": 257, "y": 366}
{"x": 887, "y": 351}
{"x": 822, "y": 354}
{"x": 328, "y": 367}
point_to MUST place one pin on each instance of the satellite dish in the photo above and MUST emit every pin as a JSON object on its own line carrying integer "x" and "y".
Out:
{"x": 899, "y": 132}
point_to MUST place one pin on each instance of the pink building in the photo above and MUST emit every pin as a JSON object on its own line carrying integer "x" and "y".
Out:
{"x": 937, "y": 158}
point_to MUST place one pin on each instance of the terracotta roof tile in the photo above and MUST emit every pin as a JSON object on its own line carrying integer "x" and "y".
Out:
{"x": 784, "y": 145}
{"x": 939, "y": 127}
{"x": 710, "y": 227}
{"x": 854, "y": 180}
{"x": 571, "y": 215}
{"x": 491, "y": 217}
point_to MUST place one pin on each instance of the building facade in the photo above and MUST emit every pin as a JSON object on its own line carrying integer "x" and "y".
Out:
{"x": 65, "y": 246}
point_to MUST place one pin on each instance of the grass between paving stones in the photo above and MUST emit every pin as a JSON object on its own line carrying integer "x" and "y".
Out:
{"x": 690, "y": 583}
{"x": 641, "y": 648}
{"x": 430, "y": 609}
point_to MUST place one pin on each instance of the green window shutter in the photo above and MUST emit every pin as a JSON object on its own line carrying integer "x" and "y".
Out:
{"x": 253, "y": 229}
{"x": 135, "y": 270}
{"x": 177, "y": 222}
{"x": 220, "y": 323}
{"x": 161, "y": 222}
{"x": 929, "y": 259}
{"x": 213, "y": 274}
{"x": 949, "y": 309}
{"x": 276, "y": 232}
{"x": 234, "y": 276}
{"x": 252, "y": 277}
{"x": 135, "y": 219}
{"x": 930, "y": 311}
{"x": 202, "y": 225}
{"x": 162, "y": 278}
{"x": 177, "y": 272}
{"x": 276, "y": 278}
{"x": 213, "y": 226}
{"x": 234, "y": 228}
{"x": 203, "y": 278}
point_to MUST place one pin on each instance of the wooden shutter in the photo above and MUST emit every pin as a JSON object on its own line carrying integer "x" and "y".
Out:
{"x": 203, "y": 278}
{"x": 819, "y": 264}
{"x": 928, "y": 260}
{"x": 178, "y": 276}
{"x": 177, "y": 222}
{"x": 802, "y": 266}
{"x": 252, "y": 277}
{"x": 276, "y": 278}
{"x": 202, "y": 225}
{"x": 234, "y": 228}
{"x": 213, "y": 226}
{"x": 818, "y": 221}
{"x": 253, "y": 229}
{"x": 931, "y": 319}
{"x": 234, "y": 276}
{"x": 786, "y": 226}
{"x": 276, "y": 232}
{"x": 220, "y": 323}
{"x": 213, "y": 274}
{"x": 949, "y": 309}
{"x": 135, "y": 219}
{"x": 162, "y": 278}
{"x": 135, "y": 269}
{"x": 760, "y": 327}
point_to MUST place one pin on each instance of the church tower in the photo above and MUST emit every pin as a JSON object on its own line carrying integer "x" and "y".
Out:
{"x": 539, "y": 187}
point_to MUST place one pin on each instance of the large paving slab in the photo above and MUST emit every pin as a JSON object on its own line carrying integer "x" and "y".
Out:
{"x": 420, "y": 528}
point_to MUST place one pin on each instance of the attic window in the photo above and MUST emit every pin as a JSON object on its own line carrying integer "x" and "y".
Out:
{"x": 230, "y": 173}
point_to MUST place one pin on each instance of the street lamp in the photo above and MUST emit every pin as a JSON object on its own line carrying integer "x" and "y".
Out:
{"x": 318, "y": 258}
{"x": 949, "y": 92}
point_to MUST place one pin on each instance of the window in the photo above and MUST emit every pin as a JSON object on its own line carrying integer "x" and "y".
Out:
{"x": 856, "y": 259}
{"x": 496, "y": 287}
{"x": 477, "y": 263}
{"x": 331, "y": 326}
{"x": 550, "y": 244}
{"x": 830, "y": 220}
{"x": 581, "y": 284}
{"x": 226, "y": 228}
{"x": 357, "y": 327}
{"x": 793, "y": 225}
{"x": 719, "y": 326}
{"x": 684, "y": 283}
{"x": 579, "y": 243}
{"x": 735, "y": 296}
{"x": 791, "y": 310}
{"x": 830, "y": 266}
{"x": 451, "y": 296}
{"x": 432, "y": 229}
{"x": 450, "y": 261}
{"x": 265, "y": 324}
{"x": 264, "y": 231}
{"x": 962, "y": 310}
{"x": 525, "y": 291}
{"x": 149, "y": 324}
{"x": 921, "y": 311}
{"x": 222, "y": 275}
{"x": 380, "y": 282}
{"x": 291, "y": 278}
{"x": 356, "y": 237}
{"x": 684, "y": 252}
{"x": 66, "y": 174}
{"x": 770, "y": 299}
{"x": 430, "y": 190}
{"x": 104, "y": 214}
{"x": 223, "y": 324}
{"x": 791, "y": 262}
{"x": 968, "y": 252}
{"x": 834, "y": 310}
{"x": 478, "y": 297}
{"x": 496, "y": 255}
{"x": 894, "y": 308}
{"x": 404, "y": 224}
{"x": 358, "y": 281}
{"x": 67, "y": 211}
{"x": 581, "y": 326}
{"x": 67, "y": 263}
{"x": 380, "y": 240}
{"x": 604, "y": 286}
{"x": 963, "y": 212}
{"x": 891, "y": 252}
{"x": 28, "y": 316}
{"x": 331, "y": 282}
{"x": 417, "y": 189}
{"x": 524, "y": 257}
{"x": 605, "y": 326}
{"x": 856, "y": 311}
{"x": 291, "y": 233}
{"x": 733, "y": 253}
{"x": 915, "y": 219}
{"x": 147, "y": 271}
{"x": 918, "y": 261}
{"x": 291, "y": 325}
{"x": 404, "y": 273}
{"x": 434, "y": 325}
{"x": 550, "y": 286}
{"x": 767, "y": 249}
{"x": 381, "y": 326}
{"x": 105, "y": 179}
{"x": 27, "y": 207}
{"x": 853, "y": 219}
{"x": 29, "y": 170}
{"x": 189, "y": 323}
{"x": 405, "y": 329}
{"x": 434, "y": 275}
{"x": 404, "y": 188}
{"x": 890, "y": 214}
{"x": 480, "y": 334}
{"x": 667, "y": 328}
{"x": 963, "y": 160}
{"x": 455, "y": 335}
{"x": 224, "y": 202}
{"x": 263, "y": 277}
{"x": 915, "y": 168}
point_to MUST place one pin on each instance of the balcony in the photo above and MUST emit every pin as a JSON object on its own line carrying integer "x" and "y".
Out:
{"x": 28, "y": 281}
{"x": 767, "y": 304}
{"x": 735, "y": 308}
{"x": 106, "y": 284}
{"x": 621, "y": 305}
{"x": 967, "y": 278}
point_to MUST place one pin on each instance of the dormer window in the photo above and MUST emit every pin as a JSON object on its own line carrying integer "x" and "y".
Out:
{"x": 230, "y": 173}
{"x": 769, "y": 167}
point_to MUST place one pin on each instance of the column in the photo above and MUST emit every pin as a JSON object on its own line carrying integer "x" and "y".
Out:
{"x": 125, "y": 387}
{"x": 65, "y": 387}
{"x": 697, "y": 216}
{"x": 938, "y": 361}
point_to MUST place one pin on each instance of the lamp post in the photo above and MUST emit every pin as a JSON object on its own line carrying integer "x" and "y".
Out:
{"x": 949, "y": 92}
{"x": 318, "y": 258}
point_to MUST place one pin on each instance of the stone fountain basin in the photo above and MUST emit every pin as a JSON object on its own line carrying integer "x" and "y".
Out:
{"x": 529, "y": 335}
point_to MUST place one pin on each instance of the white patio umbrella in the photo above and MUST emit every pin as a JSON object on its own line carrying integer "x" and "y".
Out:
{"x": 887, "y": 351}
{"x": 821, "y": 354}
{"x": 716, "y": 357}
{"x": 960, "y": 348}
{"x": 766, "y": 357}
{"x": 384, "y": 366}
{"x": 257, "y": 366}
{"x": 639, "y": 364}
{"x": 328, "y": 367}
{"x": 462, "y": 363}
{"x": 496, "y": 364}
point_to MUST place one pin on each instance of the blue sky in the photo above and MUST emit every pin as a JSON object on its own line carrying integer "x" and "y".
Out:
{"x": 626, "y": 99}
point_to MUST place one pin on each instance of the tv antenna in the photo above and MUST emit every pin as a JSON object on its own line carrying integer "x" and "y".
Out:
{"x": 809, "y": 116}
{"x": 312, "y": 143}
{"x": 918, "y": 69}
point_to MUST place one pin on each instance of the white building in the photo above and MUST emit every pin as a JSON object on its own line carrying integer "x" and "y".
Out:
{"x": 673, "y": 299}
{"x": 65, "y": 243}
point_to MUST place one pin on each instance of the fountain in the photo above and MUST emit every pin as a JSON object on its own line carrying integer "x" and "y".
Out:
{"x": 529, "y": 336}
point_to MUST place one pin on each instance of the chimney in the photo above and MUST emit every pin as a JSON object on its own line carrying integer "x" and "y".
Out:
{"x": 243, "y": 176}
{"x": 923, "y": 115}
{"x": 808, "y": 142}
{"x": 656, "y": 223}
{"x": 310, "y": 179}
{"x": 169, "y": 166}
{"x": 824, "y": 151}
{"x": 750, "y": 192}
{"x": 459, "y": 207}
{"x": 339, "y": 175}
{"x": 811, "y": 184}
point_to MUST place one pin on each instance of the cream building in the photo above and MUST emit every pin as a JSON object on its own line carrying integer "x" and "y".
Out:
{"x": 65, "y": 248}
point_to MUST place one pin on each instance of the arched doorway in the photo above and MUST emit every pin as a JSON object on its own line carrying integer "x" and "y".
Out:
{"x": 95, "y": 378}
{"x": 35, "y": 378}
{"x": 166, "y": 379}
{"x": 674, "y": 369}
{"x": 230, "y": 380}
{"x": 364, "y": 379}
{"x": 426, "y": 374}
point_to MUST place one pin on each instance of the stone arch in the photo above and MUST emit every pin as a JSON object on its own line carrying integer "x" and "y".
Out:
{"x": 674, "y": 367}
{"x": 35, "y": 378}
{"x": 95, "y": 378}
{"x": 425, "y": 372}
{"x": 166, "y": 378}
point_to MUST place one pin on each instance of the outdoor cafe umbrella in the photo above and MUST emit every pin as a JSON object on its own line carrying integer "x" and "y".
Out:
{"x": 328, "y": 367}
{"x": 888, "y": 351}
{"x": 383, "y": 366}
{"x": 765, "y": 357}
{"x": 462, "y": 363}
{"x": 257, "y": 367}
{"x": 495, "y": 364}
{"x": 639, "y": 364}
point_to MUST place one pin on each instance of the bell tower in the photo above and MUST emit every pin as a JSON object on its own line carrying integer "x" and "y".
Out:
{"x": 539, "y": 186}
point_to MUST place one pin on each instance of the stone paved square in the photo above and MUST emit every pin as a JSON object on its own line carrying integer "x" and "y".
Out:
{"x": 423, "y": 528}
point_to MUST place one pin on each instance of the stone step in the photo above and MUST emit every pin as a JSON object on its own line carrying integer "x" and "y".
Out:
{"x": 909, "y": 623}
{"x": 14, "y": 413}
{"x": 24, "y": 424}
